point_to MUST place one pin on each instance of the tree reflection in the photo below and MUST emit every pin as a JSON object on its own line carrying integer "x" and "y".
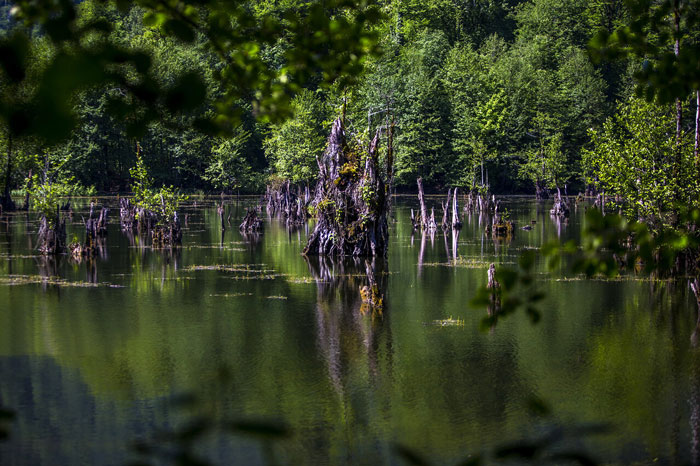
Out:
{"x": 352, "y": 316}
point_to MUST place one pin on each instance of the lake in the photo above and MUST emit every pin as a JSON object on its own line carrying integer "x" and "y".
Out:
{"x": 105, "y": 357}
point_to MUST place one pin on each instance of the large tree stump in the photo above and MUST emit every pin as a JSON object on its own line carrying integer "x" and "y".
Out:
{"x": 351, "y": 201}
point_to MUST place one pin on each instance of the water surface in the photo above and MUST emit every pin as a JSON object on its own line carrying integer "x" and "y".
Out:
{"x": 93, "y": 358}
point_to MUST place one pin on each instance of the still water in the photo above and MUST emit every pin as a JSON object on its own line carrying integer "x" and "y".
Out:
{"x": 100, "y": 356}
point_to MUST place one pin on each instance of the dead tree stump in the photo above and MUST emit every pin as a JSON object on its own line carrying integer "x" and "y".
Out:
{"x": 456, "y": 222}
{"x": 127, "y": 214}
{"x": 561, "y": 207}
{"x": 427, "y": 223}
{"x": 52, "y": 235}
{"x": 446, "y": 213}
{"x": 251, "y": 223}
{"x": 351, "y": 202}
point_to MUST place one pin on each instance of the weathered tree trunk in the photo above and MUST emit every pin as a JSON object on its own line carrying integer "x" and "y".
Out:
{"x": 415, "y": 221}
{"x": 52, "y": 235}
{"x": 127, "y": 214}
{"x": 456, "y": 223}
{"x": 468, "y": 205}
{"x": 220, "y": 212}
{"x": 560, "y": 208}
{"x": 423, "y": 210}
{"x": 293, "y": 206}
{"x": 251, "y": 223}
{"x": 446, "y": 218}
{"x": 351, "y": 205}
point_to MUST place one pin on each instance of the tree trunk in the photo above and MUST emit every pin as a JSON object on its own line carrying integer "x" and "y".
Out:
{"x": 351, "y": 205}
{"x": 52, "y": 235}
{"x": 251, "y": 223}
{"x": 456, "y": 223}
{"x": 421, "y": 199}
{"x": 446, "y": 219}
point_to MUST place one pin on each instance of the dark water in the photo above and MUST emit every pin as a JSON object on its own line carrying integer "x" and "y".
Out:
{"x": 270, "y": 336}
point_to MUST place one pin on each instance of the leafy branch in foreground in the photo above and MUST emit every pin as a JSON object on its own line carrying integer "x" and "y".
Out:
{"x": 342, "y": 35}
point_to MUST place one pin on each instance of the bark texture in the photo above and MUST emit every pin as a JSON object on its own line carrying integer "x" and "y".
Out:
{"x": 351, "y": 201}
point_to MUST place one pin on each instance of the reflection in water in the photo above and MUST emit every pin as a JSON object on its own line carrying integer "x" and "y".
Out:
{"x": 88, "y": 368}
{"x": 348, "y": 327}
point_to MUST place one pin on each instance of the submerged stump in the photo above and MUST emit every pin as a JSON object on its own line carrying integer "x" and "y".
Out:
{"x": 251, "y": 223}
{"x": 351, "y": 202}
{"x": 52, "y": 236}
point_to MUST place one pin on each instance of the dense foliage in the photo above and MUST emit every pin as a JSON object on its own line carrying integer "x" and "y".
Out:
{"x": 503, "y": 95}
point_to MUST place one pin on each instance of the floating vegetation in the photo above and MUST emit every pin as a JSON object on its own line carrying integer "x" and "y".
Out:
{"x": 15, "y": 280}
{"x": 18, "y": 256}
{"x": 235, "y": 268}
{"x": 461, "y": 262}
{"x": 307, "y": 280}
{"x": 364, "y": 275}
{"x": 247, "y": 271}
{"x": 620, "y": 278}
{"x": 450, "y": 322}
{"x": 214, "y": 246}
{"x": 255, "y": 277}
{"x": 231, "y": 295}
{"x": 275, "y": 297}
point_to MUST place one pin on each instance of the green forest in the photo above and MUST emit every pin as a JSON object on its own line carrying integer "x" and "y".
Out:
{"x": 507, "y": 96}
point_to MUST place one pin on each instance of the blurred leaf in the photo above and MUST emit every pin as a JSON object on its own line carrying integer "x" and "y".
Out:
{"x": 506, "y": 277}
{"x": 526, "y": 259}
{"x": 475, "y": 461}
{"x": 184, "y": 401}
{"x": 580, "y": 458}
{"x": 260, "y": 428}
{"x": 519, "y": 450}
{"x": 410, "y": 456}
{"x": 538, "y": 407}
{"x": 6, "y": 414}
{"x": 193, "y": 430}
{"x": 188, "y": 93}
{"x": 13, "y": 56}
